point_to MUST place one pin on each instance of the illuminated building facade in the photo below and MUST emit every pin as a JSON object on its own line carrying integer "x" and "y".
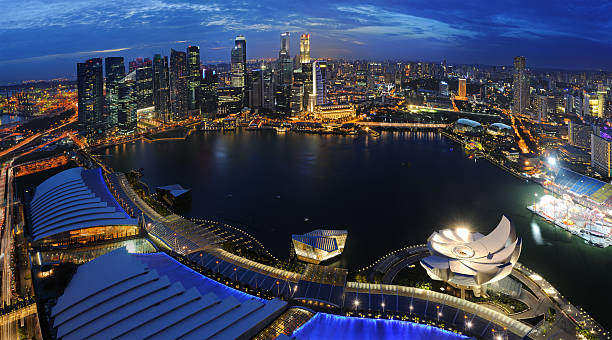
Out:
{"x": 75, "y": 205}
{"x": 462, "y": 91}
{"x": 319, "y": 245}
{"x": 579, "y": 135}
{"x": 115, "y": 71}
{"x": 127, "y": 118}
{"x": 520, "y": 86}
{"x": 471, "y": 260}
{"x": 161, "y": 86}
{"x": 194, "y": 79}
{"x": 238, "y": 65}
{"x": 335, "y": 113}
{"x": 90, "y": 85}
{"x": 178, "y": 83}
{"x": 305, "y": 49}
{"x": 144, "y": 84}
{"x": 601, "y": 155}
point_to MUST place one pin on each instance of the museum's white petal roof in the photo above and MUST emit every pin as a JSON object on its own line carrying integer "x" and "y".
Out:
{"x": 458, "y": 254}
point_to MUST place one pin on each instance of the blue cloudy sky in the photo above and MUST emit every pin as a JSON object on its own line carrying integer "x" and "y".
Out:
{"x": 43, "y": 39}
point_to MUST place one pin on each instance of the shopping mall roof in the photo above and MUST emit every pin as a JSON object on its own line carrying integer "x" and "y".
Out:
{"x": 124, "y": 296}
{"x": 74, "y": 199}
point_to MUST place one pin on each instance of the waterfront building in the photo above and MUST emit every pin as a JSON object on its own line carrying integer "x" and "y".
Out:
{"x": 282, "y": 98}
{"x": 319, "y": 245}
{"x": 144, "y": 84}
{"x": 335, "y": 113}
{"x": 127, "y": 117}
{"x": 305, "y": 49}
{"x": 90, "y": 87}
{"x": 178, "y": 84}
{"x": 238, "y": 66}
{"x": 194, "y": 79}
{"x": 579, "y": 135}
{"x": 115, "y": 71}
{"x": 306, "y": 77}
{"x": 261, "y": 94}
{"x": 210, "y": 83}
{"x": 75, "y": 206}
{"x": 318, "y": 96}
{"x": 467, "y": 126}
{"x": 229, "y": 100}
{"x": 500, "y": 129}
{"x": 471, "y": 260}
{"x": 520, "y": 86}
{"x": 161, "y": 86}
{"x": 285, "y": 64}
{"x": 601, "y": 155}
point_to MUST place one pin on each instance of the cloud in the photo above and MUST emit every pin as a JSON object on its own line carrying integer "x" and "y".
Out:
{"x": 379, "y": 21}
{"x": 62, "y": 55}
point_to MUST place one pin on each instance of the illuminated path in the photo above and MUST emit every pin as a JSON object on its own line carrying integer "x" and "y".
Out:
{"x": 404, "y": 125}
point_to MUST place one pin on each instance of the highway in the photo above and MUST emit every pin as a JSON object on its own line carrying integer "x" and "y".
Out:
{"x": 8, "y": 330}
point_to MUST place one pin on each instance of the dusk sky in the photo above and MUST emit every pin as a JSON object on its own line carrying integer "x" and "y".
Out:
{"x": 45, "y": 39}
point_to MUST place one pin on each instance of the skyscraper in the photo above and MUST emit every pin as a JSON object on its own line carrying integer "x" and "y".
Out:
{"x": 238, "y": 65}
{"x": 178, "y": 83}
{"x": 195, "y": 78}
{"x": 210, "y": 83}
{"x": 462, "y": 91}
{"x": 319, "y": 82}
{"x": 90, "y": 86}
{"x": 128, "y": 98}
{"x": 285, "y": 64}
{"x": 144, "y": 84}
{"x": 115, "y": 71}
{"x": 520, "y": 86}
{"x": 161, "y": 86}
{"x": 305, "y": 49}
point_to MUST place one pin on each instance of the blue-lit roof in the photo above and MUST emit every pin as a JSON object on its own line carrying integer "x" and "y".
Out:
{"x": 329, "y": 326}
{"x": 74, "y": 199}
{"x": 324, "y": 243}
{"x": 125, "y": 296}
{"x": 468, "y": 122}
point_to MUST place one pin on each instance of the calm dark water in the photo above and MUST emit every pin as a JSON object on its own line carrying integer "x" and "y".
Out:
{"x": 388, "y": 192}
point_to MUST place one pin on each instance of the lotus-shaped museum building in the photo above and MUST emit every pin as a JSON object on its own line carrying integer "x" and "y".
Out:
{"x": 471, "y": 260}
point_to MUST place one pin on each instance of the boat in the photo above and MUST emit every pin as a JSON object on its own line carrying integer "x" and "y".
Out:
{"x": 280, "y": 129}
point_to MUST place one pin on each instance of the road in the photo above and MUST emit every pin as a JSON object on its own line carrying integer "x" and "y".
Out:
{"x": 9, "y": 330}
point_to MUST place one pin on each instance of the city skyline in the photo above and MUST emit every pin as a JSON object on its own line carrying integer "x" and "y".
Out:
{"x": 48, "y": 39}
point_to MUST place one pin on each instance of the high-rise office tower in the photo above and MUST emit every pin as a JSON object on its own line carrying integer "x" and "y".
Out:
{"x": 307, "y": 76}
{"x": 115, "y": 71}
{"x": 195, "y": 77}
{"x": 238, "y": 66}
{"x": 462, "y": 90}
{"x": 319, "y": 81}
{"x": 90, "y": 86}
{"x": 178, "y": 83}
{"x": 285, "y": 64}
{"x": 144, "y": 83}
{"x": 520, "y": 86}
{"x": 262, "y": 89}
{"x": 128, "y": 102}
{"x": 305, "y": 49}
{"x": 161, "y": 86}
{"x": 210, "y": 83}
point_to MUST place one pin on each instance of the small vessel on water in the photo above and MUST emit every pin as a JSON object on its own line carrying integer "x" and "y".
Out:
{"x": 280, "y": 129}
